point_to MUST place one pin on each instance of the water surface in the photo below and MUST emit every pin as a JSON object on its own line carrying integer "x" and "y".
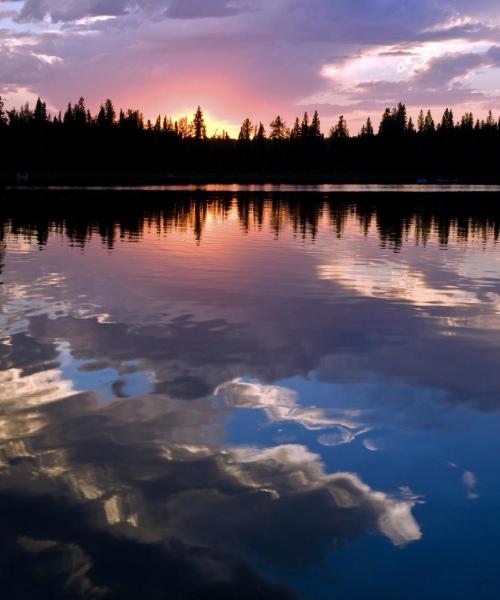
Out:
{"x": 228, "y": 394}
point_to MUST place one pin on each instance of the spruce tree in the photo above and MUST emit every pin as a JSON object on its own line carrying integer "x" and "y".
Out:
{"x": 199, "y": 127}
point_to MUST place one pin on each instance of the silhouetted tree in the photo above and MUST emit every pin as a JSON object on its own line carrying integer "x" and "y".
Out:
{"x": 34, "y": 140}
{"x": 429, "y": 125}
{"x": 260, "y": 133}
{"x": 467, "y": 122}
{"x": 40, "y": 115}
{"x": 80, "y": 114}
{"x": 110, "y": 112}
{"x": 305, "y": 129}
{"x": 183, "y": 128}
{"x": 367, "y": 129}
{"x": 340, "y": 130}
{"x": 296, "y": 131}
{"x": 3, "y": 116}
{"x": 246, "y": 131}
{"x": 394, "y": 122}
{"x": 315, "y": 128}
{"x": 421, "y": 122}
{"x": 279, "y": 130}
{"x": 447, "y": 122}
{"x": 199, "y": 127}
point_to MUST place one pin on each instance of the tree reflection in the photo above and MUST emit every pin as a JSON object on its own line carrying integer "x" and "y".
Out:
{"x": 398, "y": 218}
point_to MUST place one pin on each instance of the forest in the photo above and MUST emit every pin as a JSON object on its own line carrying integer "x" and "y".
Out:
{"x": 77, "y": 143}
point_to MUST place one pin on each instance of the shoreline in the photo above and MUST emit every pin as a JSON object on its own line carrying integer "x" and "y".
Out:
{"x": 28, "y": 180}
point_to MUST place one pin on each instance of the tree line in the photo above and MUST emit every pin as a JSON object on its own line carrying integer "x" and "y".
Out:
{"x": 77, "y": 141}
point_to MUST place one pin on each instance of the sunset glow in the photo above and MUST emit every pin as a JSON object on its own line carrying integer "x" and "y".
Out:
{"x": 252, "y": 58}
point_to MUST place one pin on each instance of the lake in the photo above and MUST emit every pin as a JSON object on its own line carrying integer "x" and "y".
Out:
{"x": 250, "y": 393}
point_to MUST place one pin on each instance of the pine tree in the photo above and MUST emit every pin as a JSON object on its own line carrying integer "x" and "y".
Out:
{"x": 40, "y": 115}
{"x": 183, "y": 128}
{"x": 490, "y": 121}
{"x": 3, "y": 116}
{"x": 421, "y": 122}
{"x": 400, "y": 116}
{"x": 260, "y": 133}
{"x": 429, "y": 125}
{"x": 101, "y": 118}
{"x": 367, "y": 129}
{"x": 279, "y": 130}
{"x": 199, "y": 127}
{"x": 110, "y": 112}
{"x": 305, "y": 128}
{"x": 315, "y": 128}
{"x": 296, "y": 132}
{"x": 467, "y": 122}
{"x": 246, "y": 131}
{"x": 68, "y": 116}
{"x": 447, "y": 122}
{"x": 340, "y": 130}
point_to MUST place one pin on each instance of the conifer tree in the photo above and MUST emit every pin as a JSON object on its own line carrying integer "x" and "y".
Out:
{"x": 421, "y": 121}
{"x": 296, "y": 132}
{"x": 199, "y": 127}
{"x": 246, "y": 131}
{"x": 340, "y": 130}
{"x": 315, "y": 128}
{"x": 260, "y": 133}
{"x": 367, "y": 129}
{"x": 305, "y": 128}
{"x": 3, "y": 117}
{"x": 279, "y": 130}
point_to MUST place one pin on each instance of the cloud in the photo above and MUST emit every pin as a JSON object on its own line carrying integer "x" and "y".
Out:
{"x": 469, "y": 480}
{"x": 196, "y": 9}
{"x": 63, "y": 11}
{"x": 280, "y": 405}
{"x": 243, "y": 58}
{"x": 66, "y": 11}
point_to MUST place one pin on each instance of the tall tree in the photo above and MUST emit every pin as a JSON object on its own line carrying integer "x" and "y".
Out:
{"x": 183, "y": 128}
{"x": 305, "y": 129}
{"x": 448, "y": 121}
{"x": 80, "y": 113}
{"x": 3, "y": 116}
{"x": 279, "y": 130}
{"x": 339, "y": 131}
{"x": 110, "y": 112}
{"x": 296, "y": 131}
{"x": 199, "y": 127}
{"x": 40, "y": 115}
{"x": 467, "y": 122}
{"x": 246, "y": 131}
{"x": 260, "y": 133}
{"x": 421, "y": 122}
{"x": 429, "y": 125}
{"x": 315, "y": 128}
{"x": 367, "y": 129}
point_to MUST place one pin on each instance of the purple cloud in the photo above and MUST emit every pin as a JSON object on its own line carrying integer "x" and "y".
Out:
{"x": 252, "y": 57}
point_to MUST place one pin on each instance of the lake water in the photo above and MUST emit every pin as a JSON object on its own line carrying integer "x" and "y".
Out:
{"x": 248, "y": 394}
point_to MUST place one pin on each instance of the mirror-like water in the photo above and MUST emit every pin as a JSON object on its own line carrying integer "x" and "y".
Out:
{"x": 231, "y": 395}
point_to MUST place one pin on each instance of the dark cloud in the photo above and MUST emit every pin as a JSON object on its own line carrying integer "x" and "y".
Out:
{"x": 195, "y": 9}
{"x": 63, "y": 11}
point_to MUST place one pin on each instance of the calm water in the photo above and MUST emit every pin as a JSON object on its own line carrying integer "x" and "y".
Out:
{"x": 232, "y": 395}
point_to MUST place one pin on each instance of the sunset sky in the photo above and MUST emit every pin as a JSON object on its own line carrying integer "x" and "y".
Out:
{"x": 255, "y": 58}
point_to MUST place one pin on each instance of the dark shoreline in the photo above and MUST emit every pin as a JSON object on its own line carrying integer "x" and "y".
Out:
{"x": 111, "y": 178}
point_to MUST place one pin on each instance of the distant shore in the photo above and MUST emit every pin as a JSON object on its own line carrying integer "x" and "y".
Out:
{"x": 113, "y": 178}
